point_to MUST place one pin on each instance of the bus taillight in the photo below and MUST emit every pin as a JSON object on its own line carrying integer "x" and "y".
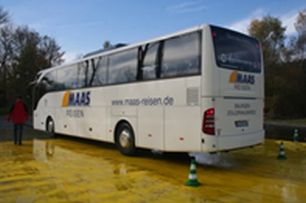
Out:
{"x": 209, "y": 122}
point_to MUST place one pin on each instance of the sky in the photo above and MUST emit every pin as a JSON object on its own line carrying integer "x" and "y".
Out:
{"x": 81, "y": 26}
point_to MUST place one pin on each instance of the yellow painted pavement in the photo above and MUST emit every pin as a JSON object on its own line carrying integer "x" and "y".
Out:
{"x": 75, "y": 170}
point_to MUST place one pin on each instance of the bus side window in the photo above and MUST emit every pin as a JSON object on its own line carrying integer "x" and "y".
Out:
{"x": 123, "y": 67}
{"x": 148, "y": 61}
{"x": 81, "y": 76}
{"x": 181, "y": 56}
{"x": 68, "y": 77}
{"x": 97, "y": 73}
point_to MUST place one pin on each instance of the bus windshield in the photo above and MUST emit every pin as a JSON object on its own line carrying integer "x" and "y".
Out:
{"x": 236, "y": 51}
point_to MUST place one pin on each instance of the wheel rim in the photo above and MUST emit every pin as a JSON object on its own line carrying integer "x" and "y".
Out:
{"x": 50, "y": 126}
{"x": 125, "y": 138}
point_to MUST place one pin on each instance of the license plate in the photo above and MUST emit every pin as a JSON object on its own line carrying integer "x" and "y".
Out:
{"x": 241, "y": 124}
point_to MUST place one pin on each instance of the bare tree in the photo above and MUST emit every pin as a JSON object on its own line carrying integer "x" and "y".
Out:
{"x": 51, "y": 51}
{"x": 300, "y": 26}
{"x": 23, "y": 52}
{"x": 4, "y": 16}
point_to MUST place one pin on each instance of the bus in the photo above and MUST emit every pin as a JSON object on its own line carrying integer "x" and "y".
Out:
{"x": 197, "y": 90}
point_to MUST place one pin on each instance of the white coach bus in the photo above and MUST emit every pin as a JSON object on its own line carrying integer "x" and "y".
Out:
{"x": 199, "y": 90}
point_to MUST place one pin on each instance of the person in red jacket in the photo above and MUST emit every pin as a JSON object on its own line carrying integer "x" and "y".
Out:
{"x": 18, "y": 115}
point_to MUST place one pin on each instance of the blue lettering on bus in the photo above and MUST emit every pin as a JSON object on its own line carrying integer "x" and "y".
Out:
{"x": 78, "y": 99}
{"x": 241, "y": 78}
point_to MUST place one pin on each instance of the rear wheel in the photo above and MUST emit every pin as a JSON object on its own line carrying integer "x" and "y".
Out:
{"x": 125, "y": 139}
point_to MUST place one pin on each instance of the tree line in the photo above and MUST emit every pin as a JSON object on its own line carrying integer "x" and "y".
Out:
{"x": 285, "y": 66}
{"x": 23, "y": 52}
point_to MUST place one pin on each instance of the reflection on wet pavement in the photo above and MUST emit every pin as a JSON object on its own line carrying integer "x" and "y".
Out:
{"x": 69, "y": 170}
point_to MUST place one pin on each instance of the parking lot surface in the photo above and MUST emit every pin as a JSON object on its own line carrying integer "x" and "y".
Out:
{"x": 77, "y": 170}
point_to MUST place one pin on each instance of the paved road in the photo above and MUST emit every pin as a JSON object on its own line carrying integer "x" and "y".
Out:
{"x": 4, "y": 124}
{"x": 282, "y": 124}
{"x": 6, "y": 131}
{"x": 282, "y": 131}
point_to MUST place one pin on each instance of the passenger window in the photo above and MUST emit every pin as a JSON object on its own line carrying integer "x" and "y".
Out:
{"x": 149, "y": 64}
{"x": 68, "y": 77}
{"x": 123, "y": 67}
{"x": 181, "y": 56}
{"x": 97, "y": 74}
{"x": 81, "y": 76}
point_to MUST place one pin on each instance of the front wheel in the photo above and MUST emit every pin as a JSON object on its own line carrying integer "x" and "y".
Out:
{"x": 125, "y": 139}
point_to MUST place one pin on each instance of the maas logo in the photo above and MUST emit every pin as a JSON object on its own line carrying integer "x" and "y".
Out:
{"x": 236, "y": 77}
{"x": 76, "y": 99}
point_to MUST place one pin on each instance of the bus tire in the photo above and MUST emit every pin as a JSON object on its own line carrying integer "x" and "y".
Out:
{"x": 50, "y": 127}
{"x": 125, "y": 140}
